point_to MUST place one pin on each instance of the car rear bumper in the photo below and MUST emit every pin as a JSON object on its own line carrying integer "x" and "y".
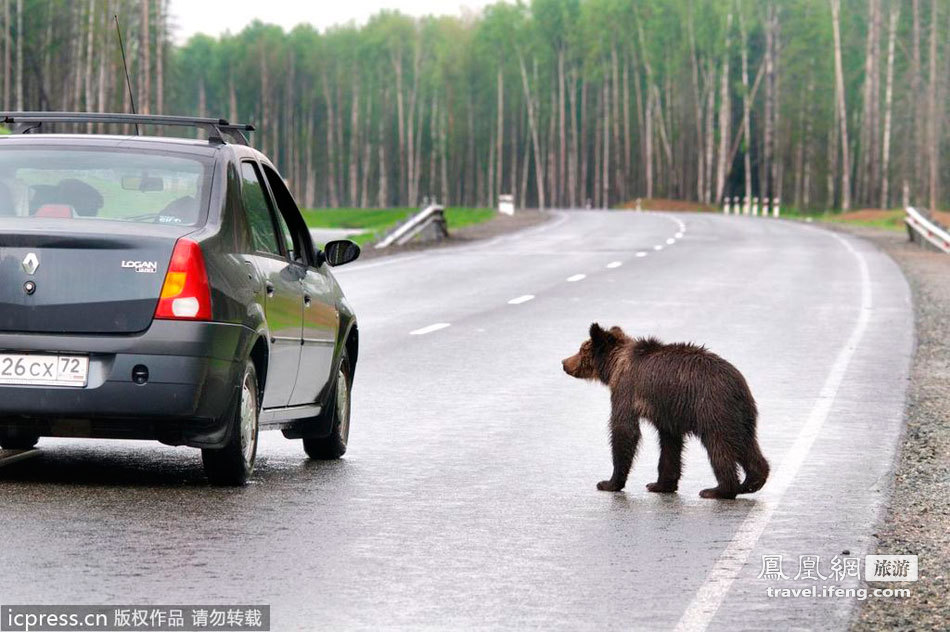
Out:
{"x": 192, "y": 379}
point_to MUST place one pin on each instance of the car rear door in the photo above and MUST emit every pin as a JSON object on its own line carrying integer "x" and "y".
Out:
{"x": 321, "y": 318}
{"x": 284, "y": 299}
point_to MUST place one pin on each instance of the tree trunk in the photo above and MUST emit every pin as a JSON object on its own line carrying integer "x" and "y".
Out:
{"x": 20, "y": 35}
{"x": 616, "y": 158}
{"x": 160, "y": 17}
{"x": 145, "y": 66}
{"x": 598, "y": 150}
{"x": 627, "y": 166}
{"x": 382, "y": 199}
{"x": 697, "y": 108}
{"x": 725, "y": 116}
{"x": 583, "y": 190}
{"x": 572, "y": 184}
{"x": 562, "y": 135}
{"x": 934, "y": 130}
{"x": 7, "y": 68}
{"x": 842, "y": 109}
{"x": 710, "y": 130}
{"x": 354, "y": 171}
{"x": 500, "y": 136}
{"x": 769, "y": 102}
{"x": 918, "y": 103}
{"x": 888, "y": 92}
{"x": 400, "y": 126}
{"x": 538, "y": 169}
{"x": 648, "y": 127}
{"x": 605, "y": 195}
{"x": 88, "y": 75}
{"x": 334, "y": 200}
{"x": 443, "y": 151}
{"x": 746, "y": 107}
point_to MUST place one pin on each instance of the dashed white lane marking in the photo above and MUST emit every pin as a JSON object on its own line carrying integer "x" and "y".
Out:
{"x": 521, "y": 299}
{"x": 679, "y": 235}
{"x": 658, "y": 247}
{"x": 670, "y": 241}
{"x": 576, "y": 277}
{"x": 711, "y": 594}
{"x": 429, "y": 329}
{"x": 642, "y": 254}
{"x": 614, "y": 264}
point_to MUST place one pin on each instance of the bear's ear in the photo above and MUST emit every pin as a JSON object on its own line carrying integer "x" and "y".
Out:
{"x": 618, "y": 333}
{"x": 599, "y": 337}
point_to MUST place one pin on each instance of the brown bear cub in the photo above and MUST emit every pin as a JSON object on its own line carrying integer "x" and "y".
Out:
{"x": 682, "y": 389}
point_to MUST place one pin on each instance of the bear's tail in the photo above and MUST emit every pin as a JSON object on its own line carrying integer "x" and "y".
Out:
{"x": 756, "y": 470}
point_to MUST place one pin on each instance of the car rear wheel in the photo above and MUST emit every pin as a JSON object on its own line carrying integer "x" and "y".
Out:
{"x": 18, "y": 441}
{"x": 334, "y": 445}
{"x": 232, "y": 465}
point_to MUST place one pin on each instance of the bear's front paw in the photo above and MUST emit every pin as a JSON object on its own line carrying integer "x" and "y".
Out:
{"x": 662, "y": 488}
{"x": 609, "y": 486}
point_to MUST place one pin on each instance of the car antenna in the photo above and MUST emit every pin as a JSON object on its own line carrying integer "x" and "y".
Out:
{"x": 128, "y": 80}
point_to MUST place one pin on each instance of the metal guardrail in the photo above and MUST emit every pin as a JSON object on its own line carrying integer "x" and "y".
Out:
{"x": 922, "y": 230}
{"x": 431, "y": 217}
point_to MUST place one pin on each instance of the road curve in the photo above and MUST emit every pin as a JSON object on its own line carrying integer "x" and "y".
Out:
{"x": 467, "y": 498}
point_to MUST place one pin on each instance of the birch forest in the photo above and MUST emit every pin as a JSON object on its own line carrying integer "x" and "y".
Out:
{"x": 822, "y": 103}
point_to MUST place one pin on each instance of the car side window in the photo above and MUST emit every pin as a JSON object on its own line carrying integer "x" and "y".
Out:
{"x": 289, "y": 217}
{"x": 254, "y": 196}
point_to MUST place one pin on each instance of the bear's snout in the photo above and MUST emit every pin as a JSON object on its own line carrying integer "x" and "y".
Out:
{"x": 570, "y": 365}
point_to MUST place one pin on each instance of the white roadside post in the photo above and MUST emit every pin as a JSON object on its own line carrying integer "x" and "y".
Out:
{"x": 765, "y": 207}
{"x": 776, "y": 203}
{"x": 506, "y": 204}
{"x": 746, "y": 209}
{"x": 755, "y": 207}
{"x": 725, "y": 206}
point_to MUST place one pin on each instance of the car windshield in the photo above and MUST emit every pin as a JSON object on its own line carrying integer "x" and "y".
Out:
{"x": 117, "y": 185}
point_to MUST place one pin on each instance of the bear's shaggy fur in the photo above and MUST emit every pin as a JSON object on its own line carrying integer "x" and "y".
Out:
{"x": 682, "y": 389}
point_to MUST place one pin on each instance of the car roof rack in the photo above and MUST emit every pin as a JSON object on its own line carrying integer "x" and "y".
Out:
{"x": 216, "y": 128}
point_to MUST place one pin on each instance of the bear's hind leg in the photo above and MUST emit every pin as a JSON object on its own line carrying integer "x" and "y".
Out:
{"x": 724, "y": 466}
{"x": 671, "y": 464}
{"x": 756, "y": 469}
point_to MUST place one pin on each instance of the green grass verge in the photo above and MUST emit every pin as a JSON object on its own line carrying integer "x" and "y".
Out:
{"x": 888, "y": 220}
{"x": 375, "y": 222}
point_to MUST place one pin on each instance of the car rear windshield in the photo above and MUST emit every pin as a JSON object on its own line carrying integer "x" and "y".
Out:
{"x": 94, "y": 184}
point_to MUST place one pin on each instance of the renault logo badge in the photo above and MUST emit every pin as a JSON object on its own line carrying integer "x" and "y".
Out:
{"x": 31, "y": 263}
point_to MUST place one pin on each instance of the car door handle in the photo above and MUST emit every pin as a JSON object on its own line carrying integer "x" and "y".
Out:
{"x": 307, "y": 300}
{"x": 270, "y": 289}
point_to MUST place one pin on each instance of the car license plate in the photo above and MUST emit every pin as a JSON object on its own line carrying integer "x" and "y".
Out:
{"x": 43, "y": 370}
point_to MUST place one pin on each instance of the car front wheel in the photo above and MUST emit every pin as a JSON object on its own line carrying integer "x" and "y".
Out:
{"x": 233, "y": 464}
{"x": 334, "y": 445}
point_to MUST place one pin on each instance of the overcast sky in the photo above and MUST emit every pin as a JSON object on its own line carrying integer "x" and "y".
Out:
{"x": 214, "y": 17}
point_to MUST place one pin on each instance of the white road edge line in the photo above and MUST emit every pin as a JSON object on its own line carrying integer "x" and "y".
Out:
{"x": 428, "y": 330}
{"x": 576, "y": 277}
{"x": 614, "y": 264}
{"x": 701, "y": 610}
{"x": 521, "y": 299}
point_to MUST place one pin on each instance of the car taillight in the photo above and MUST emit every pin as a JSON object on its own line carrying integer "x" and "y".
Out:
{"x": 185, "y": 293}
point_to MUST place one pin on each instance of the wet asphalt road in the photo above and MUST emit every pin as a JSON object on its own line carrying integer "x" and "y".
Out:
{"x": 467, "y": 498}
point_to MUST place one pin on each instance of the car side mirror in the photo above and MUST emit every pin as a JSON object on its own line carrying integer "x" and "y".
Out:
{"x": 340, "y": 251}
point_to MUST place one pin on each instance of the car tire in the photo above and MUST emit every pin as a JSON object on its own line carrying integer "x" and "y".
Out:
{"x": 233, "y": 464}
{"x": 333, "y": 446}
{"x": 18, "y": 441}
